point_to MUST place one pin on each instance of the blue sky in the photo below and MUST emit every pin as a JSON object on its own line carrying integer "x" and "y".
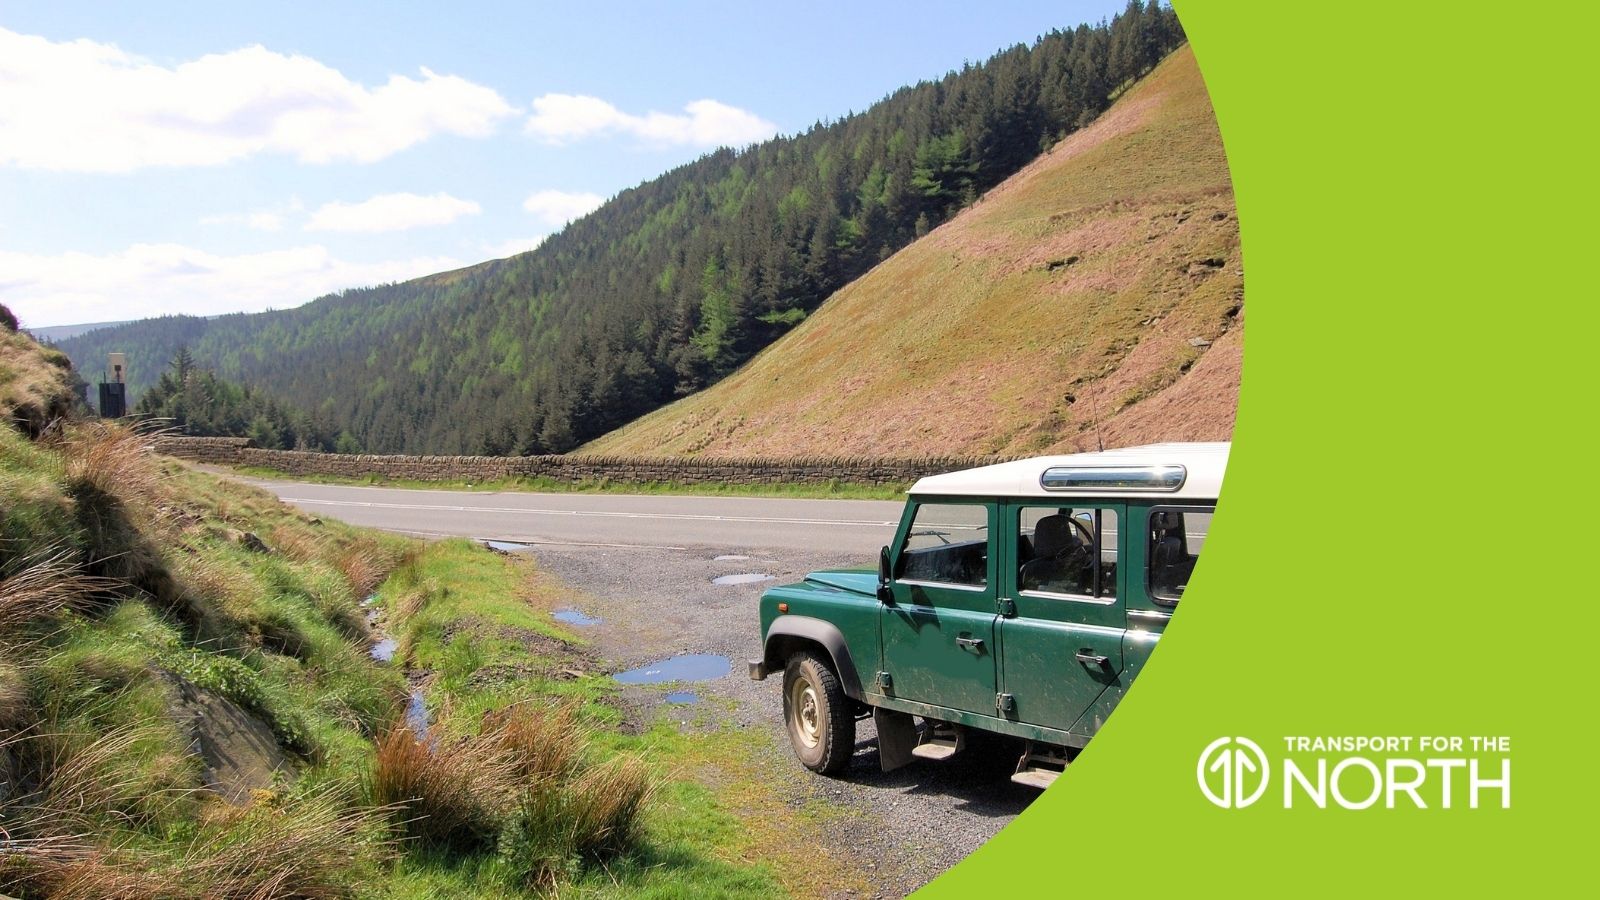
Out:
{"x": 189, "y": 157}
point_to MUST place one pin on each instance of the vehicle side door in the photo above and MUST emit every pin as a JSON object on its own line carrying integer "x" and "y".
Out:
{"x": 1061, "y": 639}
{"x": 1168, "y": 548}
{"x": 1159, "y": 553}
{"x": 938, "y": 634}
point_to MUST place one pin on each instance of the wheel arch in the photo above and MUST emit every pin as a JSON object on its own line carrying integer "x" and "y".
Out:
{"x": 790, "y": 634}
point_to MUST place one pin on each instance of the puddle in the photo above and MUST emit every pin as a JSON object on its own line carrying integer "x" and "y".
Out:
{"x": 573, "y": 617}
{"x": 506, "y": 546}
{"x": 383, "y": 651}
{"x": 746, "y": 578}
{"x": 691, "y": 667}
{"x": 684, "y": 697}
{"x": 417, "y": 718}
{"x": 729, "y": 557}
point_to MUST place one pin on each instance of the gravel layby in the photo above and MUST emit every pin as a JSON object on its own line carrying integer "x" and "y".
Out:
{"x": 904, "y": 828}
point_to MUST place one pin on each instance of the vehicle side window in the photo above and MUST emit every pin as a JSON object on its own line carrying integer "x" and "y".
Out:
{"x": 948, "y": 544}
{"x": 1176, "y": 536}
{"x": 1067, "y": 550}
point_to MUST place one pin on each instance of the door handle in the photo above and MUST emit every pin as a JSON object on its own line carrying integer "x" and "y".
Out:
{"x": 970, "y": 642}
{"x": 1089, "y": 657}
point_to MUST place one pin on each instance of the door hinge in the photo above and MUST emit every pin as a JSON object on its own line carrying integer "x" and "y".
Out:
{"x": 1006, "y": 606}
{"x": 885, "y": 681}
{"x": 1004, "y": 704}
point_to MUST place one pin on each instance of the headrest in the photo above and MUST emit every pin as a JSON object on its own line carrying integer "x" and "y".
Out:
{"x": 1165, "y": 522}
{"x": 1054, "y": 535}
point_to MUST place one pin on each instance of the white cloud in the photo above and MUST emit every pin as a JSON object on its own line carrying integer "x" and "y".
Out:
{"x": 161, "y": 279}
{"x": 391, "y": 212}
{"x": 85, "y": 106}
{"x": 260, "y": 221}
{"x": 557, "y": 208}
{"x": 560, "y": 118}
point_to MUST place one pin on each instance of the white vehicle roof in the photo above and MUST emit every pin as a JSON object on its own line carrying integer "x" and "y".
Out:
{"x": 1202, "y": 469}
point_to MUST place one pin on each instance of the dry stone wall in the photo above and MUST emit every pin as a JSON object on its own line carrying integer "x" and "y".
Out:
{"x": 221, "y": 451}
{"x": 567, "y": 467}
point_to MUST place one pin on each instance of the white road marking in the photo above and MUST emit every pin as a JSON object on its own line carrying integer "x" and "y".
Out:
{"x": 589, "y": 513}
{"x": 533, "y": 542}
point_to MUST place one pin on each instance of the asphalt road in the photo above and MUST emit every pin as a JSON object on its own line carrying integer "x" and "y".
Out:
{"x": 664, "y": 522}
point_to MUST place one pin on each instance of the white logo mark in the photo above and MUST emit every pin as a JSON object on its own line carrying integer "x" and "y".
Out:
{"x": 1240, "y": 765}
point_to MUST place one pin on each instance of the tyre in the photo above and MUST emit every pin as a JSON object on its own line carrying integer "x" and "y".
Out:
{"x": 817, "y": 713}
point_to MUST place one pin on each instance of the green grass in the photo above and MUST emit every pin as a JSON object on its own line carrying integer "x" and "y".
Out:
{"x": 92, "y": 686}
{"x": 718, "y": 824}
{"x": 135, "y": 582}
{"x": 832, "y": 490}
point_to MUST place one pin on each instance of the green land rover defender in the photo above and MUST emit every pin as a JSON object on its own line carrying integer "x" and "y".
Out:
{"x": 1020, "y": 598}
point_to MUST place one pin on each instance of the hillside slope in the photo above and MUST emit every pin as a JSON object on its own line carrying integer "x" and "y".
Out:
{"x": 1081, "y": 289}
{"x": 670, "y": 285}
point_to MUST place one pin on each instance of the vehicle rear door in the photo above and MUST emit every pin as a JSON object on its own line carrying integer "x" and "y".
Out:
{"x": 1062, "y": 647}
{"x": 938, "y": 634}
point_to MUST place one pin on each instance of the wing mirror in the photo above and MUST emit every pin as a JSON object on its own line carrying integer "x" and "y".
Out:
{"x": 885, "y": 592}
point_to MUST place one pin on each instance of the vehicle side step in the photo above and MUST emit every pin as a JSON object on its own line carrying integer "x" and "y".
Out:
{"x": 941, "y": 741}
{"x": 1040, "y": 765}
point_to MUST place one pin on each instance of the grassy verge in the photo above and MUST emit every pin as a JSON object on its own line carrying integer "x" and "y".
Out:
{"x": 476, "y": 628}
{"x": 170, "y": 643}
{"x": 833, "y": 490}
{"x": 143, "y": 600}
{"x": 189, "y": 707}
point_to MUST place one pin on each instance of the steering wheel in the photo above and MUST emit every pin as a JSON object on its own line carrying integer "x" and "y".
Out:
{"x": 1083, "y": 531}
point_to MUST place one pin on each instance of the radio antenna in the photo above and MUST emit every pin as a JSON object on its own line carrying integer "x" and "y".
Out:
{"x": 1098, "y": 441}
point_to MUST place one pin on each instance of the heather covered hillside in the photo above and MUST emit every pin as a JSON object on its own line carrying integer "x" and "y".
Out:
{"x": 1097, "y": 295}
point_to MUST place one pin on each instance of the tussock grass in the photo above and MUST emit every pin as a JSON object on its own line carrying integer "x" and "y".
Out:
{"x": 71, "y": 870}
{"x": 309, "y": 847}
{"x": 312, "y": 847}
{"x": 542, "y": 742}
{"x": 110, "y": 459}
{"x": 608, "y": 803}
{"x": 40, "y": 587}
{"x": 71, "y": 783}
{"x": 35, "y": 390}
{"x": 452, "y": 798}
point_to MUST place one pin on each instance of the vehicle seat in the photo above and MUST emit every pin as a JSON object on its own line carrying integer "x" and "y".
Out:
{"x": 1060, "y": 560}
{"x": 1170, "y": 564}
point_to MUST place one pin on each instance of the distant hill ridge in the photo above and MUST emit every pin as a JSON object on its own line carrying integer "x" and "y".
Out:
{"x": 669, "y": 286}
{"x": 1094, "y": 297}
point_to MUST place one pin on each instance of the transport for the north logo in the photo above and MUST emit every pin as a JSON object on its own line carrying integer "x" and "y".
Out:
{"x": 1360, "y": 772}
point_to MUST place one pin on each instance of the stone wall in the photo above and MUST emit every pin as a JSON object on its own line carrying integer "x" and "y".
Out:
{"x": 567, "y": 467}
{"x": 221, "y": 451}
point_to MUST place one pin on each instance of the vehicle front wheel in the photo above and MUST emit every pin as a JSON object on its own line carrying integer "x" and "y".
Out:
{"x": 817, "y": 713}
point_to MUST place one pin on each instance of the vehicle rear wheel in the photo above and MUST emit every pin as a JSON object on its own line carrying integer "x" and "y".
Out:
{"x": 817, "y": 713}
